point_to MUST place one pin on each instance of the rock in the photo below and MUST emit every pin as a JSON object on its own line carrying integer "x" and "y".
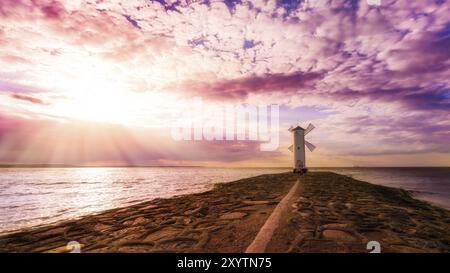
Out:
{"x": 149, "y": 207}
{"x": 198, "y": 212}
{"x": 189, "y": 212}
{"x": 256, "y": 202}
{"x": 335, "y": 226}
{"x": 53, "y": 231}
{"x": 164, "y": 233}
{"x": 233, "y": 215}
{"x": 168, "y": 222}
{"x": 121, "y": 232}
{"x": 411, "y": 231}
{"x": 305, "y": 212}
{"x": 405, "y": 249}
{"x": 136, "y": 222}
{"x": 338, "y": 235}
{"x": 320, "y": 208}
{"x": 187, "y": 221}
{"x": 101, "y": 227}
{"x": 139, "y": 221}
{"x": 201, "y": 211}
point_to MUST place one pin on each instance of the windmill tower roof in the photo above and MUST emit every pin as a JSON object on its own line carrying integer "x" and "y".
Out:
{"x": 297, "y": 128}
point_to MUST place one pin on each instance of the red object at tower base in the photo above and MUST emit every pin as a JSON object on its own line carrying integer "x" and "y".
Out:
{"x": 300, "y": 171}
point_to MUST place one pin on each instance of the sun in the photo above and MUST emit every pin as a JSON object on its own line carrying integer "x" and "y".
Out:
{"x": 112, "y": 102}
{"x": 101, "y": 102}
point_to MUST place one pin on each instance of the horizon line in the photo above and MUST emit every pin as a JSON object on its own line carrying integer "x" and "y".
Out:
{"x": 40, "y": 165}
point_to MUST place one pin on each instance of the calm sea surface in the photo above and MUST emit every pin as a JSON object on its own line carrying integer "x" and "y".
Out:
{"x": 36, "y": 196}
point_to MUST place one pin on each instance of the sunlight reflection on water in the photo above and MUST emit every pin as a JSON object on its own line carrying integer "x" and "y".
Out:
{"x": 34, "y": 196}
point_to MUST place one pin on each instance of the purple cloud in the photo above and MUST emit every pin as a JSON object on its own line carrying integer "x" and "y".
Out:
{"x": 240, "y": 88}
{"x": 10, "y": 87}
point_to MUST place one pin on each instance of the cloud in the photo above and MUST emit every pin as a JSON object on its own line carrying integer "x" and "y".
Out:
{"x": 412, "y": 98}
{"x": 240, "y": 88}
{"x": 11, "y": 87}
{"x": 29, "y": 99}
{"x": 132, "y": 21}
{"x": 373, "y": 70}
{"x": 53, "y": 10}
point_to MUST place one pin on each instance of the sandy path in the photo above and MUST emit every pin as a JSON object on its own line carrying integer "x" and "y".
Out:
{"x": 264, "y": 235}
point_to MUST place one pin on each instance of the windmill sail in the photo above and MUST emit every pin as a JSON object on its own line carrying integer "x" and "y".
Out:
{"x": 310, "y": 146}
{"x": 309, "y": 128}
{"x": 291, "y": 148}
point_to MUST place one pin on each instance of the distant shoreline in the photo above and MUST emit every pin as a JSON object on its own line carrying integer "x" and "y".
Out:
{"x": 126, "y": 166}
{"x": 81, "y": 166}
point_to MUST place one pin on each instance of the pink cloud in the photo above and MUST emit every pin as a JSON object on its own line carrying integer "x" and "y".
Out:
{"x": 240, "y": 88}
{"x": 29, "y": 99}
{"x": 53, "y": 10}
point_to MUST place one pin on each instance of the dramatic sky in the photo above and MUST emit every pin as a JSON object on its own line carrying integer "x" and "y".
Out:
{"x": 95, "y": 82}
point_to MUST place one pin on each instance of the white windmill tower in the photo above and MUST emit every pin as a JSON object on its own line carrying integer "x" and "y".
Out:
{"x": 298, "y": 148}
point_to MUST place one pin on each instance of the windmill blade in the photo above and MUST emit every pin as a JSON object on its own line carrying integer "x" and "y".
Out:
{"x": 291, "y": 148}
{"x": 310, "y": 146}
{"x": 290, "y": 128}
{"x": 309, "y": 128}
